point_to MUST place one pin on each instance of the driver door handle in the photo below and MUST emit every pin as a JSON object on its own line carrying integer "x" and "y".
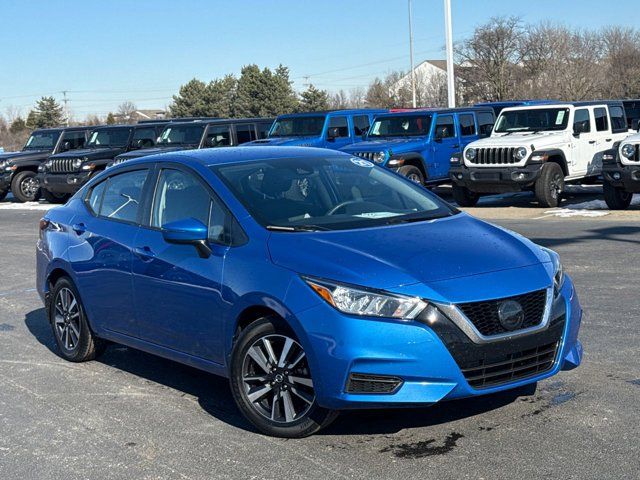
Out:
{"x": 592, "y": 141}
{"x": 145, "y": 253}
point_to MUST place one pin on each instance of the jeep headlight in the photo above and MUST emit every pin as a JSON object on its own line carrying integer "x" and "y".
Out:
{"x": 628, "y": 150}
{"x": 380, "y": 157}
{"x": 558, "y": 270}
{"x": 520, "y": 153}
{"x": 3, "y": 164}
{"x": 77, "y": 163}
{"x": 366, "y": 302}
{"x": 470, "y": 154}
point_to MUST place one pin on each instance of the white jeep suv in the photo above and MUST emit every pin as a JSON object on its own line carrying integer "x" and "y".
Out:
{"x": 621, "y": 172}
{"x": 539, "y": 148}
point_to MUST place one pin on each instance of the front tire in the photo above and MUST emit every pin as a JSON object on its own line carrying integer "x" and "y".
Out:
{"x": 616, "y": 197}
{"x": 413, "y": 173}
{"x": 550, "y": 186}
{"x": 74, "y": 338}
{"x": 54, "y": 198}
{"x": 271, "y": 382}
{"x": 24, "y": 186}
{"x": 465, "y": 197}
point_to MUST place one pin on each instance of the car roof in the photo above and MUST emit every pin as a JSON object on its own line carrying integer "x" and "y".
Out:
{"x": 223, "y": 155}
{"x": 218, "y": 121}
{"x": 353, "y": 111}
{"x": 422, "y": 111}
{"x": 590, "y": 103}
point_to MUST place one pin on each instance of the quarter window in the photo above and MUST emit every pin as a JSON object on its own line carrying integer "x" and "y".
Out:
{"x": 581, "y": 121}
{"x": 467, "y": 125}
{"x": 361, "y": 124}
{"x": 602, "y": 123}
{"x": 339, "y": 123}
{"x": 445, "y": 127}
{"x": 245, "y": 133}
{"x": 485, "y": 123}
{"x": 122, "y": 196}
{"x": 618, "y": 120}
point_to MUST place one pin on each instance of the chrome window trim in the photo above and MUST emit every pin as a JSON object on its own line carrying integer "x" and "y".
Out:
{"x": 463, "y": 323}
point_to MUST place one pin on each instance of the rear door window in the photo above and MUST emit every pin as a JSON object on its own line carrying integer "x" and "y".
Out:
{"x": 602, "y": 123}
{"x": 467, "y": 124}
{"x": 123, "y": 195}
{"x": 245, "y": 133}
{"x": 341, "y": 124}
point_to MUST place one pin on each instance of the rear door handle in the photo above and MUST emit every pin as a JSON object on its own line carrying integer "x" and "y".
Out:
{"x": 79, "y": 228}
{"x": 592, "y": 141}
{"x": 607, "y": 139}
{"x": 145, "y": 253}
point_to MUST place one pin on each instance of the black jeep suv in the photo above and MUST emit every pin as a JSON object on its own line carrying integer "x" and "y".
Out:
{"x": 63, "y": 174}
{"x": 18, "y": 169}
{"x": 185, "y": 134}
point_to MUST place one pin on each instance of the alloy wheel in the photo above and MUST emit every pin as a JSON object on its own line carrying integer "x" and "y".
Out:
{"x": 29, "y": 187}
{"x": 555, "y": 185}
{"x": 415, "y": 178}
{"x": 276, "y": 379}
{"x": 67, "y": 319}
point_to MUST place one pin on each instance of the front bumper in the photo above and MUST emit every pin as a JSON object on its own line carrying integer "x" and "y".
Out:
{"x": 63, "y": 182}
{"x": 622, "y": 176}
{"x": 426, "y": 355}
{"x": 495, "y": 179}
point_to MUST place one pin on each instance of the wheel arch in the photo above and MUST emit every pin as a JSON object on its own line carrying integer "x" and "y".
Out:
{"x": 415, "y": 160}
{"x": 557, "y": 156}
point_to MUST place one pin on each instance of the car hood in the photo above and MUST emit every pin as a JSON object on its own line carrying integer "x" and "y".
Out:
{"x": 25, "y": 155}
{"x": 90, "y": 153}
{"x": 285, "y": 141}
{"x": 378, "y": 145}
{"x": 152, "y": 151}
{"x": 525, "y": 139}
{"x": 406, "y": 254}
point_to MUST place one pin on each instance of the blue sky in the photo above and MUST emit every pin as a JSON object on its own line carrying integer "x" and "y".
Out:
{"x": 106, "y": 52}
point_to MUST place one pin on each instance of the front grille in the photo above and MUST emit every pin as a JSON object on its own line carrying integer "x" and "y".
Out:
{"x": 512, "y": 367}
{"x": 366, "y": 155}
{"x": 363, "y": 383}
{"x": 62, "y": 165}
{"x": 118, "y": 161}
{"x": 495, "y": 156}
{"x": 484, "y": 315}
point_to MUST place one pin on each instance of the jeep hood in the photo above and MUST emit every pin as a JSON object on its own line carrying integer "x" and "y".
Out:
{"x": 539, "y": 140}
{"x": 285, "y": 141}
{"x": 394, "y": 256}
{"x": 378, "y": 145}
{"x": 25, "y": 155}
{"x": 90, "y": 153}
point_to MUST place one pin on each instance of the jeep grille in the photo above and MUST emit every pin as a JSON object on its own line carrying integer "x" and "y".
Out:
{"x": 62, "y": 165}
{"x": 495, "y": 156}
{"x": 366, "y": 155}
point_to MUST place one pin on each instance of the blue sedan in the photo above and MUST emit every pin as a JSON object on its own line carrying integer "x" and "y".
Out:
{"x": 315, "y": 281}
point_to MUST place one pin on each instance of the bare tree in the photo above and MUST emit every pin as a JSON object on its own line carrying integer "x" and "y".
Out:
{"x": 125, "y": 111}
{"x": 622, "y": 62}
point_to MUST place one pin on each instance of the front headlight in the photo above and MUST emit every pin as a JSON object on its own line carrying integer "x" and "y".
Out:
{"x": 77, "y": 163}
{"x": 470, "y": 154}
{"x": 379, "y": 157}
{"x": 558, "y": 270}
{"x": 366, "y": 302}
{"x": 3, "y": 164}
{"x": 628, "y": 150}
{"x": 520, "y": 153}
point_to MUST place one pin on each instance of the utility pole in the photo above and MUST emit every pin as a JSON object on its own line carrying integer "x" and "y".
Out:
{"x": 66, "y": 109}
{"x": 451, "y": 84}
{"x": 413, "y": 73}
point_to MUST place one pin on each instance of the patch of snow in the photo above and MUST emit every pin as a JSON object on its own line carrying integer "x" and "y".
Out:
{"x": 570, "y": 212}
{"x": 25, "y": 206}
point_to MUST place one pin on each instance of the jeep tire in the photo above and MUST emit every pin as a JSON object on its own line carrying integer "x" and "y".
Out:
{"x": 24, "y": 186}
{"x": 617, "y": 198}
{"x": 465, "y": 197}
{"x": 412, "y": 173}
{"x": 550, "y": 185}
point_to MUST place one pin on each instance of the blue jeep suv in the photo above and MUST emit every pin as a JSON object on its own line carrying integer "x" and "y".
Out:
{"x": 418, "y": 143}
{"x": 333, "y": 130}
{"x": 279, "y": 269}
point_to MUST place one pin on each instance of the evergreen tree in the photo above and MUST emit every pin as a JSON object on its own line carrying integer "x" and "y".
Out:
{"x": 32, "y": 120}
{"x": 111, "y": 119}
{"x": 18, "y": 125}
{"x": 220, "y": 97}
{"x": 264, "y": 93}
{"x": 191, "y": 100}
{"x": 48, "y": 113}
{"x": 313, "y": 100}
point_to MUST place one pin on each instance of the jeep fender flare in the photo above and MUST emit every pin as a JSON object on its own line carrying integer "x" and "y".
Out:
{"x": 554, "y": 155}
{"x": 414, "y": 159}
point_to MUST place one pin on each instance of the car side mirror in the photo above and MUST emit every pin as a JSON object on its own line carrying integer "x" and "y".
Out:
{"x": 188, "y": 231}
{"x": 65, "y": 147}
{"x": 577, "y": 129}
{"x": 332, "y": 133}
{"x": 439, "y": 134}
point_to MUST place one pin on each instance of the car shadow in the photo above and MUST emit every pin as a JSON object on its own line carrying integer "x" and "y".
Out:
{"x": 620, "y": 234}
{"x": 214, "y": 396}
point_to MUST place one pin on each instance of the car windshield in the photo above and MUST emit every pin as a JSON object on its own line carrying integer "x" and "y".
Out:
{"x": 187, "y": 134}
{"x": 109, "y": 137}
{"x": 337, "y": 193}
{"x": 401, "y": 126}
{"x": 42, "y": 141}
{"x": 303, "y": 126}
{"x": 532, "y": 120}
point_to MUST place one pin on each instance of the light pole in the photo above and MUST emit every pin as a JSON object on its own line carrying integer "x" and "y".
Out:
{"x": 413, "y": 73}
{"x": 451, "y": 88}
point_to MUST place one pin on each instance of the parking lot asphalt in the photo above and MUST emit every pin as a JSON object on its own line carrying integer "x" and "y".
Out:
{"x": 135, "y": 416}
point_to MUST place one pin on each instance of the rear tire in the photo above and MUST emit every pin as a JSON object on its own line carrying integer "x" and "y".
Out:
{"x": 271, "y": 382}
{"x": 550, "y": 186}
{"x": 24, "y": 186}
{"x": 55, "y": 198}
{"x": 465, "y": 197}
{"x": 412, "y": 173}
{"x": 74, "y": 338}
{"x": 616, "y": 197}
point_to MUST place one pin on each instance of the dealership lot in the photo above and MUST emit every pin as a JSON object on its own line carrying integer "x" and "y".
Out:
{"x": 132, "y": 415}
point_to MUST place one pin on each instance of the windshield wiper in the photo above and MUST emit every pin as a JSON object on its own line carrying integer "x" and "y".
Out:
{"x": 422, "y": 218}
{"x": 296, "y": 228}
